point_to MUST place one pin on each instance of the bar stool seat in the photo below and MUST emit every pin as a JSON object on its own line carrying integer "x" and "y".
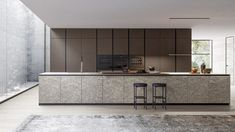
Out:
{"x": 163, "y": 95}
{"x": 144, "y": 96}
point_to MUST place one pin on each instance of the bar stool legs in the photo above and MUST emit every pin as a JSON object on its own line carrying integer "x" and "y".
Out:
{"x": 163, "y": 95}
{"x": 144, "y": 96}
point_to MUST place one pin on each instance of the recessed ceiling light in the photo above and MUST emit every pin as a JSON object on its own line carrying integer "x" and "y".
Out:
{"x": 189, "y": 18}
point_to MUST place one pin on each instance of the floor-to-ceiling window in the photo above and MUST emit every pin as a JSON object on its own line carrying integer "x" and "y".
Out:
{"x": 22, "y": 46}
{"x": 202, "y": 53}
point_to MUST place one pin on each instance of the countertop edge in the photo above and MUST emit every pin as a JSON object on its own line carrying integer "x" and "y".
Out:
{"x": 123, "y": 74}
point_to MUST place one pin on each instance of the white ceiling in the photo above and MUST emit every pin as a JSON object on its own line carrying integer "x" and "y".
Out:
{"x": 139, "y": 14}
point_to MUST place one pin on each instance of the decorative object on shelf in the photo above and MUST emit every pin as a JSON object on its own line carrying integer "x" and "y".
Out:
{"x": 194, "y": 70}
{"x": 152, "y": 69}
{"x": 125, "y": 68}
{"x": 207, "y": 70}
{"x": 203, "y": 67}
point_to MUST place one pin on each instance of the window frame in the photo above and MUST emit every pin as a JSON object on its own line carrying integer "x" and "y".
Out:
{"x": 210, "y": 53}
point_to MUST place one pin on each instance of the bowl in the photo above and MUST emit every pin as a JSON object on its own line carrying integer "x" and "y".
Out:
{"x": 208, "y": 70}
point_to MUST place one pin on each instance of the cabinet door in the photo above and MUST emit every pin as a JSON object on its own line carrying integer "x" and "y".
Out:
{"x": 167, "y": 62}
{"x": 104, "y": 46}
{"x": 183, "y": 46}
{"x": 89, "y": 33}
{"x": 57, "y": 55}
{"x": 136, "y": 47}
{"x": 136, "y": 33}
{"x": 92, "y": 89}
{"x": 153, "y": 33}
{"x": 104, "y": 54}
{"x": 58, "y": 33}
{"x": 89, "y": 55}
{"x": 49, "y": 89}
{"x": 113, "y": 89}
{"x": 120, "y": 33}
{"x": 104, "y": 33}
{"x": 198, "y": 89}
{"x": 74, "y": 33}
{"x": 177, "y": 92}
{"x": 153, "y": 53}
{"x": 120, "y": 46}
{"x": 71, "y": 91}
{"x": 74, "y": 49}
{"x": 219, "y": 89}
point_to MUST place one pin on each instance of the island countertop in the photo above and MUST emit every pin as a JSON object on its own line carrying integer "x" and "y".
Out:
{"x": 117, "y": 87}
{"x": 127, "y": 74}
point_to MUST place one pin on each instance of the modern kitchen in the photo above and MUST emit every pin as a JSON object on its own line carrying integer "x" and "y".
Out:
{"x": 100, "y": 66}
{"x": 117, "y": 66}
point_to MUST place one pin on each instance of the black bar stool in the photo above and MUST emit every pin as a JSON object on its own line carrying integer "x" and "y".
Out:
{"x": 162, "y": 96}
{"x": 144, "y": 97}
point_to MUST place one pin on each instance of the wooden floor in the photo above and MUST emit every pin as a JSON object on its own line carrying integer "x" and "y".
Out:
{"x": 14, "y": 111}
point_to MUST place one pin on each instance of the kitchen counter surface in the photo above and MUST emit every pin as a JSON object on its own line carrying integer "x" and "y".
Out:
{"x": 117, "y": 88}
{"x": 127, "y": 74}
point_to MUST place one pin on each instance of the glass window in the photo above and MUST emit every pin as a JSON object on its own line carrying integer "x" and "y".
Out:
{"x": 201, "y": 53}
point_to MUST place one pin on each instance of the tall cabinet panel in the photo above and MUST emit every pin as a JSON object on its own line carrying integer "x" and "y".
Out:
{"x": 89, "y": 55}
{"x": 136, "y": 49}
{"x": 104, "y": 49}
{"x": 183, "y": 46}
{"x": 120, "y": 48}
{"x": 81, "y": 47}
{"x": 167, "y": 47}
{"x": 153, "y": 53}
{"x": 74, "y": 54}
{"x": 159, "y": 44}
{"x": 58, "y": 50}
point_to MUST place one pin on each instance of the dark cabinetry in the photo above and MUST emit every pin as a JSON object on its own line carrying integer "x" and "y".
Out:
{"x": 104, "y": 49}
{"x": 69, "y": 47}
{"x": 183, "y": 50}
{"x": 159, "y": 44}
{"x": 57, "y": 54}
{"x": 81, "y": 50}
{"x": 120, "y": 48}
{"x": 136, "y": 48}
{"x": 73, "y": 55}
{"x": 169, "y": 50}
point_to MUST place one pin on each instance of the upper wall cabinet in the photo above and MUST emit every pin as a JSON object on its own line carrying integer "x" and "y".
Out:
{"x": 120, "y": 41}
{"x": 81, "y": 33}
{"x": 136, "y": 33}
{"x": 104, "y": 41}
{"x": 136, "y": 42}
{"x": 104, "y": 34}
{"x": 152, "y": 33}
{"x": 120, "y": 33}
{"x": 58, "y": 33}
{"x": 183, "y": 33}
{"x": 160, "y": 33}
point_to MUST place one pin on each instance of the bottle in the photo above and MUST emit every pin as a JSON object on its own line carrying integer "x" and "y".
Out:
{"x": 203, "y": 67}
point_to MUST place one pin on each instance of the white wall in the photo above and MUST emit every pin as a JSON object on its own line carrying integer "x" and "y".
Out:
{"x": 219, "y": 55}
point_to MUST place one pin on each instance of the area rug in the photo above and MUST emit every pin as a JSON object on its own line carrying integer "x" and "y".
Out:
{"x": 129, "y": 123}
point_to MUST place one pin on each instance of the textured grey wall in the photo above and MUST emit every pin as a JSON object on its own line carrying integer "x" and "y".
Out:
{"x": 21, "y": 45}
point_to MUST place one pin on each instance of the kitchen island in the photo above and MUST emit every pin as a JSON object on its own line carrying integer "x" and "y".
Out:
{"x": 117, "y": 88}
